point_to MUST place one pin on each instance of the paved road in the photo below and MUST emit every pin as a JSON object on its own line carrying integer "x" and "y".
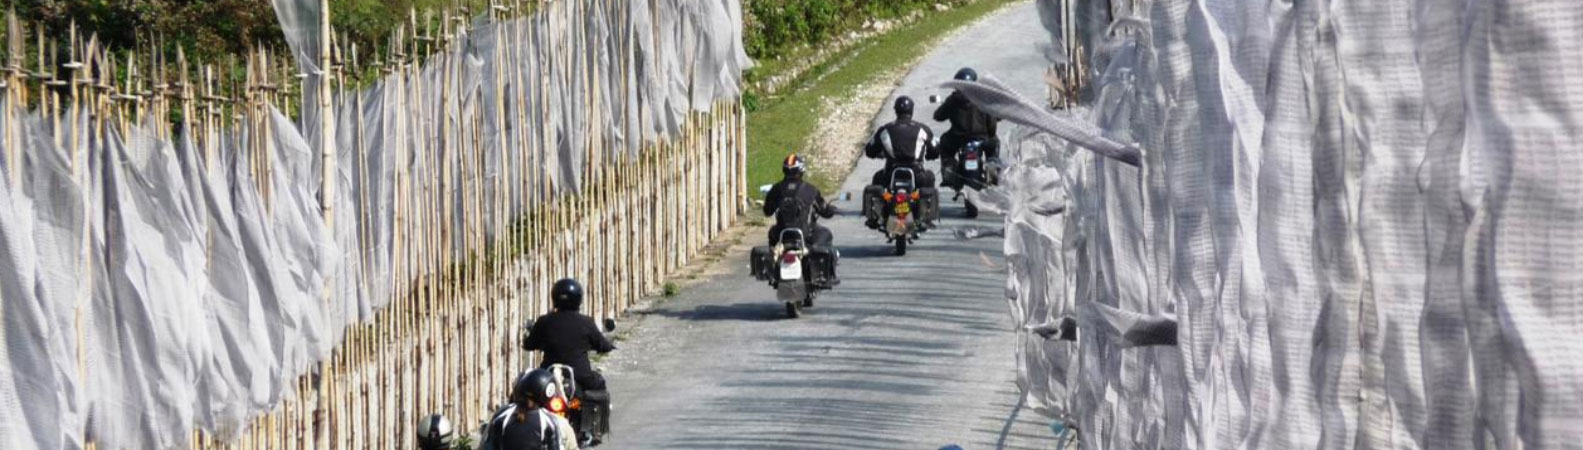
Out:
{"x": 911, "y": 352}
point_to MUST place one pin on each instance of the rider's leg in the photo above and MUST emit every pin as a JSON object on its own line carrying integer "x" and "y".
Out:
{"x": 949, "y": 178}
{"x": 822, "y": 236}
{"x": 595, "y": 420}
{"x": 775, "y": 234}
{"x": 950, "y": 145}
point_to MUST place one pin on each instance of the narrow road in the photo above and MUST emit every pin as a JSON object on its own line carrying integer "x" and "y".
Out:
{"x": 911, "y": 352}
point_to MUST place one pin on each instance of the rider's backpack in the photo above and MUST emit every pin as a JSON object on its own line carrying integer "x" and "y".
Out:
{"x": 793, "y": 212}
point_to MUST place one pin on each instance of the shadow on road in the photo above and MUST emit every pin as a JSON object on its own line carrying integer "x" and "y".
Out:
{"x": 868, "y": 251}
{"x": 765, "y": 311}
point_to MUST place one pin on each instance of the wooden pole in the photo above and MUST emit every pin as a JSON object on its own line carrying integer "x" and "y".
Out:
{"x": 326, "y": 119}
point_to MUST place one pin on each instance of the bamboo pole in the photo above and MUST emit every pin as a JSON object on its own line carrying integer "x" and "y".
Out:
{"x": 14, "y": 94}
{"x": 616, "y": 222}
{"x": 326, "y": 142}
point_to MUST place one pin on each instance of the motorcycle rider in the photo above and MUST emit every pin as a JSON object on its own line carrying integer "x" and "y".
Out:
{"x": 566, "y": 336}
{"x": 902, "y": 143}
{"x": 527, "y": 423}
{"x": 435, "y": 433}
{"x": 794, "y": 203}
{"x": 967, "y": 123}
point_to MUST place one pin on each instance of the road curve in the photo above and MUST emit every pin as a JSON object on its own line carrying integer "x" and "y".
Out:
{"x": 911, "y": 352}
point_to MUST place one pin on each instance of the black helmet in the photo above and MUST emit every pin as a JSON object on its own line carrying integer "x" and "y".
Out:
{"x": 794, "y": 165}
{"x": 535, "y": 386}
{"x": 903, "y": 106}
{"x": 567, "y": 295}
{"x": 435, "y": 433}
{"x": 967, "y": 74}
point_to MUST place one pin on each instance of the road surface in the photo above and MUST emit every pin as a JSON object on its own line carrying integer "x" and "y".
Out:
{"x": 912, "y": 352}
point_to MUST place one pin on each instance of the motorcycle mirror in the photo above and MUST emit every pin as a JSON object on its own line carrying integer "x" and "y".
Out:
{"x": 610, "y": 324}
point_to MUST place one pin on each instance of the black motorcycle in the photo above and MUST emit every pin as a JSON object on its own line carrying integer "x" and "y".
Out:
{"x": 588, "y": 410}
{"x": 975, "y": 169}
{"x": 898, "y": 210}
{"x": 797, "y": 272}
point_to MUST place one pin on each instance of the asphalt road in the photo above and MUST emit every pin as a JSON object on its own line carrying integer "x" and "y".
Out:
{"x": 911, "y": 352}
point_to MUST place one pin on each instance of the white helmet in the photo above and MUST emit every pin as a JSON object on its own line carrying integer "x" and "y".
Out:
{"x": 435, "y": 433}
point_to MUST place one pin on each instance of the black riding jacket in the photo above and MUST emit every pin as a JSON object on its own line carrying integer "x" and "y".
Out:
{"x": 520, "y": 428}
{"x": 566, "y": 337}
{"x": 903, "y": 142}
{"x": 965, "y": 117}
{"x": 791, "y": 188}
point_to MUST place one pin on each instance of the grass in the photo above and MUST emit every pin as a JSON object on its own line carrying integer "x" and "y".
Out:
{"x": 786, "y": 123}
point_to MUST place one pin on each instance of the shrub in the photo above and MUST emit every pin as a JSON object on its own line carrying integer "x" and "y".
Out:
{"x": 771, "y": 27}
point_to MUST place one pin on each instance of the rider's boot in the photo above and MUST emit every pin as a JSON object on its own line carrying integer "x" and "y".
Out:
{"x": 835, "y": 260}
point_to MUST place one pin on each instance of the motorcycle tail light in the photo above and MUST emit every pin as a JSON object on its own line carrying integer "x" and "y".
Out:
{"x": 557, "y": 405}
{"x": 901, "y": 198}
{"x": 789, "y": 258}
{"x": 972, "y": 155}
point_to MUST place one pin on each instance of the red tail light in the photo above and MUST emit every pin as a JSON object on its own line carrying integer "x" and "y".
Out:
{"x": 789, "y": 257}
{"x": 901, "y": 197}
{"x": 557, "y": 405}
{"x": 972, "y": 155}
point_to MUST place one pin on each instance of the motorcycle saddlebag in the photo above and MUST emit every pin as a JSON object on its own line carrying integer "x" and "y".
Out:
{"x": 821, "y": 264}
{"x": 761, "y": 262}
{"x": 930, "y": 204}
{"x": 872, "y": 202}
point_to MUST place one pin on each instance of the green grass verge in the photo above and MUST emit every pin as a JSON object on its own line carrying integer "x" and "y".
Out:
{"x": 786, "y": 123}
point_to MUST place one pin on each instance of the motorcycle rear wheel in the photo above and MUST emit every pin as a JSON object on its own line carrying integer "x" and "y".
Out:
{"x": 901, "y": 246}
{"x": 792, "y": 310}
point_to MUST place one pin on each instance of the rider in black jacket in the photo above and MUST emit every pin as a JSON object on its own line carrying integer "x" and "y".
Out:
{"x": 967, "y": 122}
{"x": 566, "y": 335}
{"x": 795, "y": 203}
{"x": 902, "y": 143}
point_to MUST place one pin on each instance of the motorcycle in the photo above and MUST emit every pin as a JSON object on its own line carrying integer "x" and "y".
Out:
{"x": 899, "y": 204}
{"x": 791, "y": 269}
{"x": 587, "y": 410}
{"x": 976, "y": 170}
{"x": 591, "y": 419}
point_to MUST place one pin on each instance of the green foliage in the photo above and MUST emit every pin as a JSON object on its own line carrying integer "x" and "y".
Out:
{"x": 773, "y": 26}
{"x": 750, "y": 101}
{"x": 465, "y": 442}
{"x": 671, "y": 289}
{"x": 785, "y": 123}
{"x": 206, "y": 29}
{"x": 211, "y": 30}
